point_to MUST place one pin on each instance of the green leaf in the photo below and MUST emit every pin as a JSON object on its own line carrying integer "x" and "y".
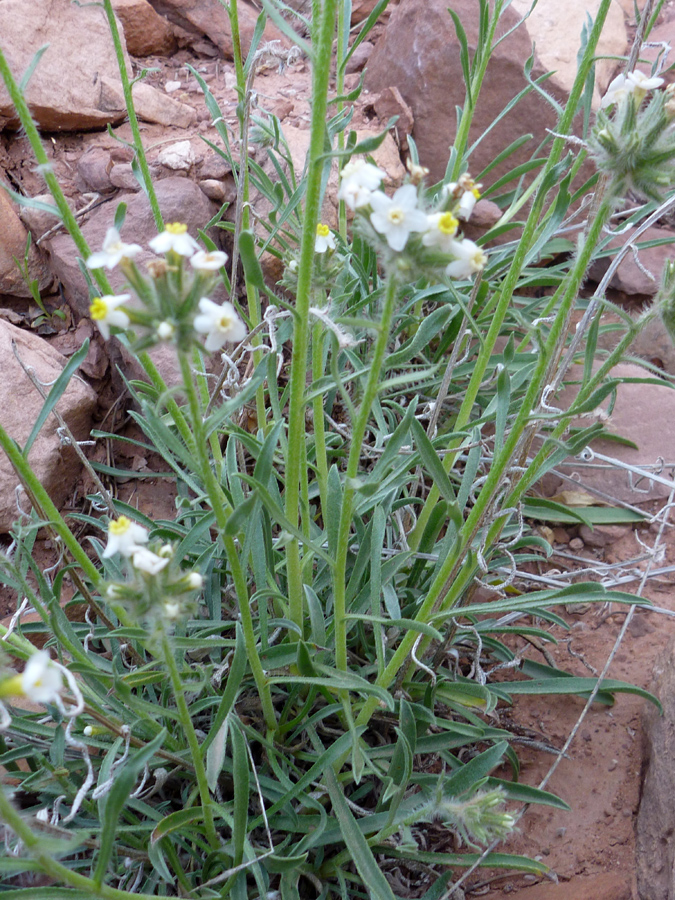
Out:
{"x": 371, "y": 144}
{"x": 120, "y": 215}
{"x": 281, "y": 864}
{"x": 432, "y": 462}
{"x": 407, "y": 624}
{"x": 317, "y": 619}
{"x": 215, "y": 755}
{"x": 525, "y": 793}
{"x": 250, "y": 261}
{"x": 28, "y": 74}
{"x": 579, "y": 685}
{"x": 175, "y": 821}
{"x": 366, "y": 28}
{"x": 469, "y": 694}
{"x": 55, "y": 394}
{"x": 337, "y": 681}
{"x": 241, "y": 775}
{"x": 549, "y": 511}
{"x": 304, "y": 660}
{"x": 334, "y": 503}
{"x": 490, "y": 860}
{"x": 116, "y": 799}
{"x": 242, "y": 516}
{"x": 475, "y": 770}
{"x": 232, "y": 686}
{"x": 362, "y": 855}
{"x": 428, "y": 329}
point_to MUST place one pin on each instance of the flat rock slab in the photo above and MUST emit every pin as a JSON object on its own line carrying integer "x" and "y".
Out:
{"x": 64, "y": 91}
{"x": 54, "y": 463}
{"x": 645, "y": 415}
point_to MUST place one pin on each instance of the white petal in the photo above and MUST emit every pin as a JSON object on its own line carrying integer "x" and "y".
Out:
{"x": 42, "y": 682}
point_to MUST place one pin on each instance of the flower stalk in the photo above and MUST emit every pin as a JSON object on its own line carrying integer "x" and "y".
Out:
{"x": 322, "y": 45}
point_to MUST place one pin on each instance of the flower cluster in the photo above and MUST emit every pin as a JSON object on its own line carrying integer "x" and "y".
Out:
{"x": 175, "y": 305}
{"x": 633, "y": 142}
{"x": 156, "y": 586}
{"x": 401, "y": 224}
{"x": 478, "y": 819}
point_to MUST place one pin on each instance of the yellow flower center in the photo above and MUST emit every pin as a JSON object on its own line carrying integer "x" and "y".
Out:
{"x": 176, "y": 228}
{"x": 224, "y": 322}
{"x": 121, "y": 526}
{"x": 322, "y": 230}
{"x": 98, "y": 309}
{"x": 447, "y": 224}
{"x": 396, "y": 216}
{"x": 476, "y": 193}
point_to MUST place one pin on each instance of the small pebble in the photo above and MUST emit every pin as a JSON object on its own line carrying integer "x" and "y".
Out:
{"x": 172, "y": 86}
{"x": 576, "y": 544}
{"x": 612, "y": 765}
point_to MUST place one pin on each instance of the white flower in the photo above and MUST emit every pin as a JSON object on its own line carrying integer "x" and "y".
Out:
{"x": 172, "y": 609}
{"x": 208, "y": 262}
{"x": 467, "y": 192}
{"x": 146, "y": 561}
{"x": 442, "y": 230}
{"x": 114, "y": 251}
{"x": 636, "y": 83}
{"x": 124, "y": 536}
{"x": 325, "y": 240}
{"x": 470, "y": 259}
{"x": 41, "y": 680}
{"x": 396, "y": 217}
{"x": 165, "y": 331}
{"x": 359, "y": 179}
{"x": 175, "y": 237}
{"x": 194, "y": 581}
{"x": 104, "y": 311}
{"x": 220, "y": 323}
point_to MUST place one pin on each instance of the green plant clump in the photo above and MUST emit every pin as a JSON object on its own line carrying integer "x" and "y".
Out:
{"x": 288, "y": 690}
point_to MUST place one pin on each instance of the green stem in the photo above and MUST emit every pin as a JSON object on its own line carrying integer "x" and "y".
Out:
{"x": 296, "y": 416}
{"x": 484, "y": 53}
{"x": 193, "y": 743}
{"x": 318, "y": 415}
{"x": 358, "y": 433}
{"x": 342, "y": 47}
{"x": 133, "y": 121}
{"x": 222, "y": 511}
{"x": 242, "y": 213}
